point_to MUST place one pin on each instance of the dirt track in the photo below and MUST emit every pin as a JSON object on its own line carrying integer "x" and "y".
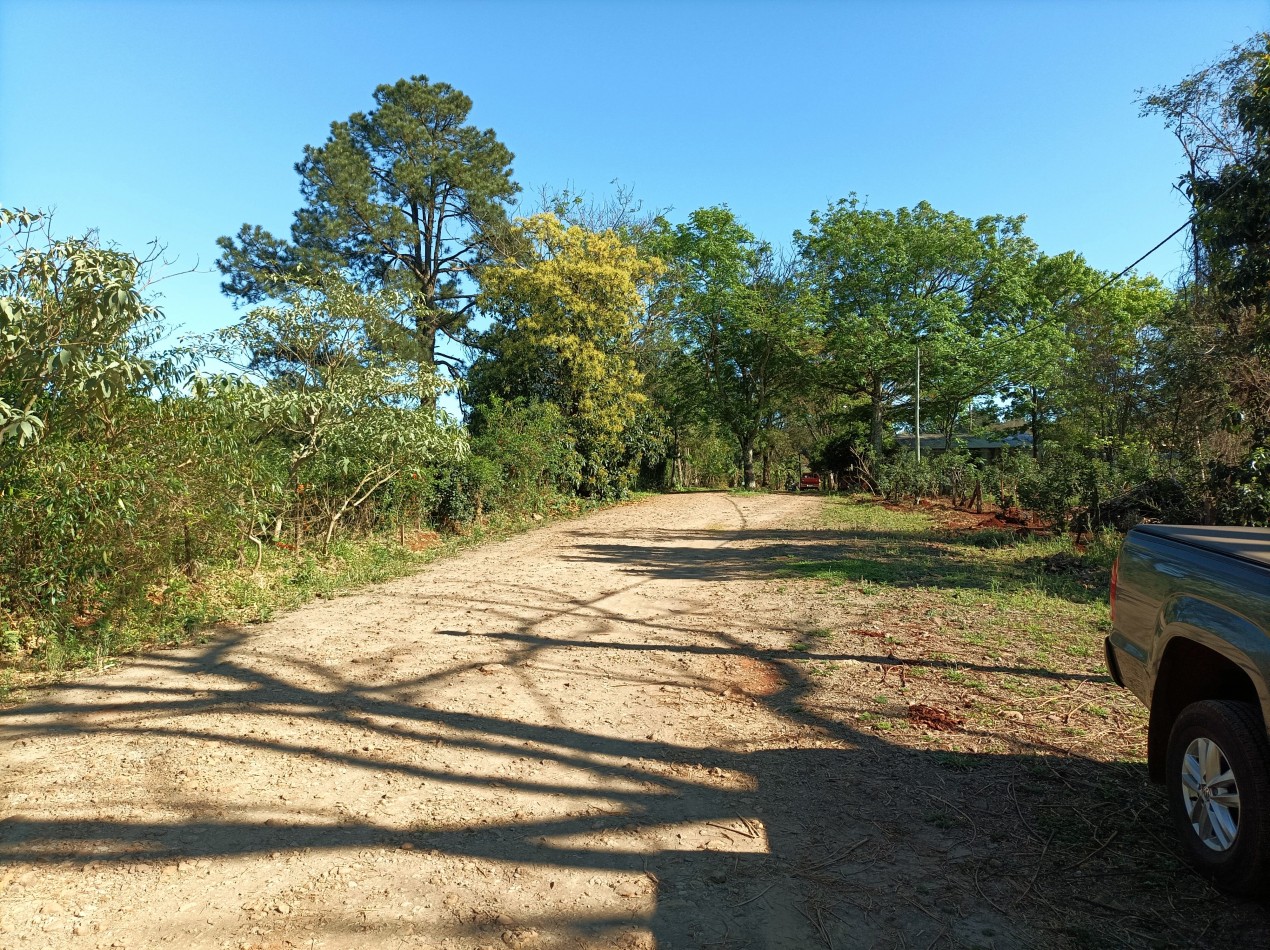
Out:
{"x": 593, "y": 735}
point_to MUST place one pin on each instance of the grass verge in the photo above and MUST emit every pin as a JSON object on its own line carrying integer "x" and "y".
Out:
{"x": 970, "y": 663}
{"x": 181, "y": 610}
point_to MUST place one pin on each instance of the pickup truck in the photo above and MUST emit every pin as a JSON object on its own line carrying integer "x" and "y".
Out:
{"x": 1190, "y": 636}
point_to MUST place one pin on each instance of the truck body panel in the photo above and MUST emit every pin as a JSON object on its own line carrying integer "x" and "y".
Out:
{"x": 1190, "y": 637}
{"x": 1208, "y": 586}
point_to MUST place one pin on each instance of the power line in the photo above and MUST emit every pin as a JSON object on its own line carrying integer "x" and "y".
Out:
{"x": 1111, "y": 280}
{"x": 1043, "y": 321}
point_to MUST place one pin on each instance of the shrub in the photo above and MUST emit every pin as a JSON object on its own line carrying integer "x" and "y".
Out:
{"x": 905, "y": 477}
{"x": 532, "y": 448}
{"x": 460, "y": 490}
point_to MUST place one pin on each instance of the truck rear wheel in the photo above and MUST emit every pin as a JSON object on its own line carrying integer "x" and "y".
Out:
{"x": 1219, "y": 792}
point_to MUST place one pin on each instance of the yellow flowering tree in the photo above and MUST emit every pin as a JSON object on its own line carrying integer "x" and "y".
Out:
{"x": 567, "y": 311}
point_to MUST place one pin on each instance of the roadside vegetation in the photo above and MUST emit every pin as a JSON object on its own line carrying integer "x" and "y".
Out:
{"x": 426, "y": 357}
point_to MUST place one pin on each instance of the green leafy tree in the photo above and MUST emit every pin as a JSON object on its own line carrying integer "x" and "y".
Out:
{"x": 673, "y": 380}
{"x": 349, "y": 416}
{"x": 110, "y": 478}
{"x": 1221, "y": 117}
{"x": 1219, "y": 345}
{"x": 1108, "y": 390}
{"x": 740, "y": 317}
{"x": 408, "y": 197}
{"x": 1041, "y": 352}
{"x": 75, "y": 329}
{"x": 893, "y": 280}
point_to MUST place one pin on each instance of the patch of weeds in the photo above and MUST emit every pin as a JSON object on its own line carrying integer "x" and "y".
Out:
{"x": 8, "y": 684}
{"x": 1040, "y": 635}
{"x": 854, "y": 569}
{"x": 821, "y": 633}
{"x": 941, "y": 820}
{"x": 882, "y": 700}
{"x": 859, "y": 512}
{"x": 1020, "y": 687}
{"x": 956, "y": 761}
{"x": 228, "y": 592}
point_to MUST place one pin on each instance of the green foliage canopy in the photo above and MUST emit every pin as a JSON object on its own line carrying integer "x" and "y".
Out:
{"x": 349, "y": 414}
{"x": 740, "y": 318}
{"x": 74, "y": 329}
{"x": 891, "y": 280}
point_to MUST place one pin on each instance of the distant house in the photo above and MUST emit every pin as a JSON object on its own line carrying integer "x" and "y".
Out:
{"x": 933, "y": 443}
{"x": 1015, "y": 433}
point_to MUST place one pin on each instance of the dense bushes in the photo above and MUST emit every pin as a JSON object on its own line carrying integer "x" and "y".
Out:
{"x": 91, "y": 523}
{"x": 950, "y": 474}
{"x": 532, "y": 448}
{"x": 127, "y": 476}
{"x": 1069, "y": 488}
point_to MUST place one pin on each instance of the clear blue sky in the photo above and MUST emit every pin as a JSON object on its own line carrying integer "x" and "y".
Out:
{"x": 181, "y": 121}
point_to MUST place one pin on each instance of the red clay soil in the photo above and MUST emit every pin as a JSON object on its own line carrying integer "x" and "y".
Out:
{"x": 992, "y": 518}
{"x": 932, "y": 717}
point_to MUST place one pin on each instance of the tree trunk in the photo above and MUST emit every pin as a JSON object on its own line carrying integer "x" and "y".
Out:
{"x": 426, "y": 335}
{"x": 876, "y": 419}
{"x": 766, "y": 467}
{"x": 747, "y": 463}
{"x": 950, "y": 431}
{"x": 1036, "y": 425}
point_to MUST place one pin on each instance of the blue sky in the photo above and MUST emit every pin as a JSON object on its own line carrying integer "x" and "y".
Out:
{"x": 181, "y": 121}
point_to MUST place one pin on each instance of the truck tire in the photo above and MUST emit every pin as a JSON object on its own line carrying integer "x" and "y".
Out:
{"x": 1219, "y": 793}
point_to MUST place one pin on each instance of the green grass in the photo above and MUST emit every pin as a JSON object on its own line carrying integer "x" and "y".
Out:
{"x": 885, "y": 552}
{"x": 976, "y": 613}
{"x": 860, "y": 514}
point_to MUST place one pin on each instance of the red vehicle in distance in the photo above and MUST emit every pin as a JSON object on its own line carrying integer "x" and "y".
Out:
{"x": 809, "y": 482}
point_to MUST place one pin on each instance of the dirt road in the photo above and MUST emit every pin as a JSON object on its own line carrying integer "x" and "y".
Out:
{"x": 597, "y": 734}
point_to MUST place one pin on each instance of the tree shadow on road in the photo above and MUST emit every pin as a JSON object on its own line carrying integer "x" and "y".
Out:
{"x": 856, "y": 842}
{"x": 901, "y": 559}
{"x": 819, "y": 832}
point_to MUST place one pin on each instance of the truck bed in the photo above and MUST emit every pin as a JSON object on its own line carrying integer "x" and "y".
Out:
{"x": 1249, "y": 544}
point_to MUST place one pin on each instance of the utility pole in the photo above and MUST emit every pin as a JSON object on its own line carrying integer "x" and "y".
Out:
{"x": 917, "y": 430}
